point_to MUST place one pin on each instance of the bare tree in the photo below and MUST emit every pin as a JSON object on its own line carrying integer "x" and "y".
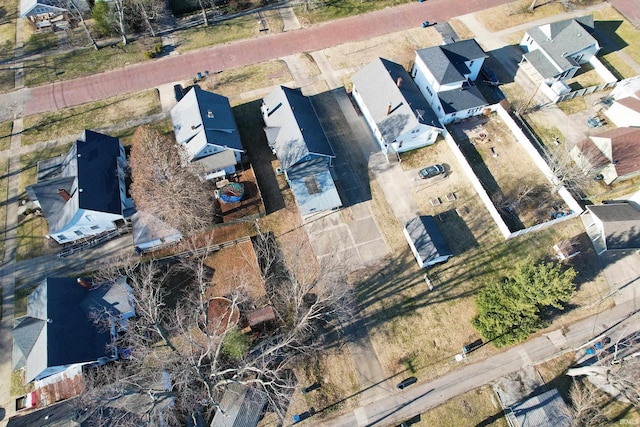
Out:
{"x": 121, "y": 15}
{"x": 150, "y": 11}
{"x": 77, "y": 13}
{"x": 163, "y": 187}
{"x": 576, "y": 177}
{"x": 176, "y": 331}
{"x": 586, "y": 402}
{"x": 204, "y": 4}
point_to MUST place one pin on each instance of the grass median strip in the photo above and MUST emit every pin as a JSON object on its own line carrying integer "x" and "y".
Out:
{"x": 70, "y": 121}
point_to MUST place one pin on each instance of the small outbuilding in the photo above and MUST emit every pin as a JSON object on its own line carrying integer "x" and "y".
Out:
{"x": 426, "y": 241}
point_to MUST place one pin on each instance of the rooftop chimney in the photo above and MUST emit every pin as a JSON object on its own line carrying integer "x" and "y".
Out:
{"x": 389, "y": 109}
{"x": 84, "y": 283}
{"x": 64, "y": 194}
{"x": 399, "y": 81}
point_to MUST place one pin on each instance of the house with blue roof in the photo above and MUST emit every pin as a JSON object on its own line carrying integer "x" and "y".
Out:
{"x": 397, "y": 113}
{"x": 296, "y": 137}
{"x": 59, "y": 331}
{"x": 47, "y": 13}
{"x": 206, "y": 130}
{"x": 83, "y": 193}
{"x": 446, "y": 74}
{"x": 556, "y": 50}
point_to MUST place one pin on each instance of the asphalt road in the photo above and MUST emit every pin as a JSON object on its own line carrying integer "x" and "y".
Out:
{"x": 402, "y": 405}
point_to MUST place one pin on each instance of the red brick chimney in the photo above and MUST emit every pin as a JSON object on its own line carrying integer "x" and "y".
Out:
{"x": 64, "y": 194}
{"x": 84, "y": 283}
{"x": 399, "y": 81}
{"x": 389, "y": 109}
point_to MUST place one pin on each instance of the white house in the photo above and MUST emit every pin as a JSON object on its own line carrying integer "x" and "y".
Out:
{"x": 83, "y": 193}
{"x": 446, "y": 74}
{"x": 555, "y": 51}
{"x": 205, "y": 128}
{"x": 395, "y": 110}
{"x": 625, "y": 108}
{"x": 616, "y": 226}
{"x": 59, "y": 332}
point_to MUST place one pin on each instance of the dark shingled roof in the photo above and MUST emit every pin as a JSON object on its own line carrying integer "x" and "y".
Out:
{"x": 544, "y": 410}
{"x": 88, "y": 173}
{"x": 293, "y": 128}
{"x": 427, "y": 239}
{"x": 241, "y": 406}
{"x": 461, "y": 99}
{"x": 621, "y": 224}
{"x": 447, "y": 62}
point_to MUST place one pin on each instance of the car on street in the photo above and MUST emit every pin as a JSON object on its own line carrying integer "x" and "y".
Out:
{"x": 431, "y": 171}
{"x": 406, "y": 382}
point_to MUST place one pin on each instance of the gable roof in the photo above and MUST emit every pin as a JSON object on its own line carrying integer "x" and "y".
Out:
{"x": 313, "y": 187}
{"x": 426, "y": 238}
{"x": 36, "y": 7}
{"x": 377, "y": 85}
{"x": 89, "y": 174}
{"x": 148, "y": 228}
{"x": 559, "y": 40}
{"x": 292, "y": 127}
{"x": 620, "y": 224}
{"x": 58, "y": 329}
{"x": 544, "y": 410}
{"x": 203, "y": 118}
{"x": 241, "y": 406}
{"x": 631, "y": 102}
{"x": 466, "y": 98}
{"x": 622, "y": 148}
{"x": 447, "y": 62}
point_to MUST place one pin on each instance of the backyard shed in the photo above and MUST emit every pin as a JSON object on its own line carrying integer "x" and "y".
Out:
{"x": 426, "y": 241}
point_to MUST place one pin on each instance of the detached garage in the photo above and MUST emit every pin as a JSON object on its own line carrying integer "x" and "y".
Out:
{"x": 426, "y": 241}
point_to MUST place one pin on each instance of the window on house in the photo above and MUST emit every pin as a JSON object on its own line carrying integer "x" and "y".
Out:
{"x": 61, "y": 237}
{"x": 429, "y": 91}
{"x": 470, "y": 63}
{"x": 313, "y": 186}
{"x": 89, "y": 218}
{"x": 95, "y": 227}
{"x": 79, "y": 233}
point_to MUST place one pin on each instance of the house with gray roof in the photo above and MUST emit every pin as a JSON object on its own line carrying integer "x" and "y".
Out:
{"x": 296, "y": 137}
{"x": 83, "y": 193}
{"x": 426, "y": 241}
{"x": 445, "y": 76}
{"x": 557, "y": 50}
{"x": 241, "y": 406}
{"x": 45, "y": 14}
{"x": 206, "y": 130}
{"x": 613, "y": 226}
{"x": 59, "y": 331}
{"x": 624, "y": 110}
{"x": 543, "y": 410}
{"x": 399, "y": 116}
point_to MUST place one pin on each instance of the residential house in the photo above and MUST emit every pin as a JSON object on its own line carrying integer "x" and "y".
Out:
{"x": 625, "y": 108}
{"x": 613, "y": 226}
{"x": 83, "y": 193}
{"x": 395, "y": 110}
{"x": 45, "y": 14}
{"x": 206, "y": 129}
{"x": 542, "y": 410}
{"x": 426, "y": 241}
{"x": 613, "y": 154}
{"x": 446, "y": 74}
{"x": 556, "y": 51}
{"x": 296, "y": 137}
{"x": 59, "y": 331}
{"x": 241, "y": 405}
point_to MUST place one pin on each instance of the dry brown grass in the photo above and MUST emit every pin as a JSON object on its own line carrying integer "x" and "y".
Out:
{"x": 398, "y": 47}
{"x": 517, "y": 13}
{"x": 461, "y": 29}
{"x": 626, "y": 34}
{"x": 247, "y": 79}
{"x": 477, "y": 407}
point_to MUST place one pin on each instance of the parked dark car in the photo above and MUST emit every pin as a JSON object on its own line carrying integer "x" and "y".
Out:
{"x": 431, "y": 171}
{"x": 407, "y": 382}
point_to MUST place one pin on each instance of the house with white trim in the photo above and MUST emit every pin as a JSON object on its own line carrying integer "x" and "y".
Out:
{"x": 83, "y": 193}
{"x": 445, "y": 76}
{"x": 206, "y": 130}
{"x": 397, "y": 114}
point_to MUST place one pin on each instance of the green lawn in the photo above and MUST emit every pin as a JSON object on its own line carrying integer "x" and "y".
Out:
{"x": 20, "y": 298}
{"x": 8, "y": 11}
{"x": 70, "y": 121}
{"x": 621, "y": 32}
{"x": 3, "y": 197}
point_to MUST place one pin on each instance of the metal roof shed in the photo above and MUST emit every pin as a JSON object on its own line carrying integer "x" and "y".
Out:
{"x": 426, "y": 241}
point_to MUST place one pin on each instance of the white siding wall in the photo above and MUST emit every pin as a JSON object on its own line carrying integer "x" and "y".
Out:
{"x": 420, "y": 136}
{"x": 84, "y": 224}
